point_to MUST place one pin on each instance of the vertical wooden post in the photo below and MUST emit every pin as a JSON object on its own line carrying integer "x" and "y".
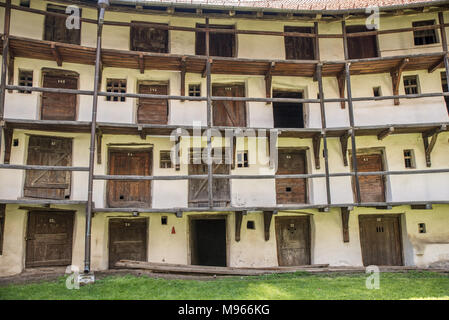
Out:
{"x": 5, "y": 54}
{"x": 209, "y": 118}
{"x": 351, "y": 112}
{"x": 444, "y": 42}
{"x": 87, "y": 242}
{"x": 345, "y": 223}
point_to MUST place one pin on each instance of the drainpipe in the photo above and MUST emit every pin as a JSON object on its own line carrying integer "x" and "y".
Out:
{"x": 102, "y": 4}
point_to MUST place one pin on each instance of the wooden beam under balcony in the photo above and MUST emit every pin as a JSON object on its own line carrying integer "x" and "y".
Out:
{"x": 345, "y": 223}
{"x": 341, "y": 81}
{"x": 316, "y": 141}
{"x": 344, "y": 146}
{"x": 396, "y": 74}
{"x": 56, "y": 54}
{"x": 268, "y": 80}
{"x": 183, "y": 76}
{"x": 436, "y": 65}
{"x": 428, "y": 146}
{"x": 385, "y": 133}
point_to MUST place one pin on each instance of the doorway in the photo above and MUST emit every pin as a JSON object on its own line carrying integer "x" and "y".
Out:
{"x": 208, "y": 241}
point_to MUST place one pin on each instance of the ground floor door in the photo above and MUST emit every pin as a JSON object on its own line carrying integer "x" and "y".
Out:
{"x": 127, "y": 240}
{"x": 208, "y": 242}
{"x": 372, "y": 188}
{"x": 49, "y": 239}
{"x": 122, "y": 193}
{"x": 380, "y": 239}
{"x": 293, "y": 240}
{"x": 153, "y": 111}
{"x": 291, "y": 190}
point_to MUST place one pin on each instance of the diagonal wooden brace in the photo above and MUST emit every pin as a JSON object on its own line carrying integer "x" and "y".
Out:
{"x": 344, "y": 146}
{"x": 396, "y": 74}
{"x": 428, "y": 146}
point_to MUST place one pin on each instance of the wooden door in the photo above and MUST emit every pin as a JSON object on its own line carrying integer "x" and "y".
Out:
{"x": 127, "y": 240}
{"x": 48, "y": 151}
{"x": 291, "y": 190}
{"x": 299, "y": 48}
{"x": 380, "y": 240}
{"x": 49, "y": 239}
{"x": 55, "y": 27}
{"x": 361, "y": 47}
{"x": 129, "y": 193}
{"x": 229, "y": 113}
{"x": 59, "y": 106}
{"x": 198, "y": 188}
{"x": 293, "y": 240}
{"x": 372, "y": 188}
{"x": 154, "y": 111}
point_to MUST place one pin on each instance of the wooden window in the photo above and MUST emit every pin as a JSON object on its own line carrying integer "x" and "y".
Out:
{"x": 165, "y": 159}
{"x": 25, "y": 80}
{"x": 362, "y": 46}
{"x": 377, "y": 92}
{"x": 409, "y": 159}
{"x": 148, "y": 39}
{"x": 194, "y": 90}
{"x": 422, "y": 228}
{"x": 299, "y": 48}
{"x": 56, "y": 30}
{"x": 117, "y": 86}
{"x": 220, "y": 44}
{"x": 288, "y": 114}
{"x": 2, "y": 226}
{"x": 411, "y": 85}
{"x": 242, "y": 159}
{"x": 445, "y": 88}
{"x": 25, "y": 3}
{"x": 423, "y": 37}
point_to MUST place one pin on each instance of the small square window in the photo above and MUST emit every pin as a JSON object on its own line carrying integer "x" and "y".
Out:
{"x": 409, "y": 159}
{"x": 377, "y": 91}
{"x": 116, "y": 86}
{"x": 165, "y": 160}
{"x": 164, "y": 220}
{"x": 411, "y": 85}
{"x": 421, "y": 227}
{"x": 250, "y": 225}
{"x": 242, "y": 159}
{"x": 195, "y": 90}
{"x": 25, "y": 3}
{"x": 25, "y": 80}
{"x": 423, "y": 37}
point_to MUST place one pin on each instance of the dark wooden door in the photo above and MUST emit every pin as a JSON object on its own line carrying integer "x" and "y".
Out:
{"x": 49, "y": 239}
{"x": 291, "y": 190}
{"x": 198, "y": 188}
{"x": 55, "y": 27}
{"x": 299, "y": 48}
{"x": 48, "y": 151}
{"x": 208, "y": 242}
{"x": 127, "y": 240}
{"x": 59, "y": 106}
{"x": 129, "y": 193}
{"x": 380, "y": 240}
{"x": 154, "y": 111}
{"x": 372, "y": 188}
{"x": 363, "y": 46}
{"x": 293, "y": 240}
{"x": 288, "y": 114}
{"x": 229, "y": 113}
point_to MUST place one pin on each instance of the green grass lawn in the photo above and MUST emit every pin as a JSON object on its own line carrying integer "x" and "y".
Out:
{"x": 411, "y": 285}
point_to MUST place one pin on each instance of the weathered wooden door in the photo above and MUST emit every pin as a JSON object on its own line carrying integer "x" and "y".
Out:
{"x": 49, "y": 239}
{"x": 380, "y": 240}
{"x": 59, "y": 106}
{"x": 229, "y": 113}
{"x": 299, "y": 48}
{"x": 198, "y": 188}
{"x": 372, "y": 188}
{"x": 291, "y": 190}
{"x": 48, "y": 151}
{"x": 293, "y": 240}
{"x": 55, "y": 27}
{"x": 129, "y": 193}
{"x": 127, "y": 240}
{"x": 362, "y": 46}
{"x": 154, "y": 111}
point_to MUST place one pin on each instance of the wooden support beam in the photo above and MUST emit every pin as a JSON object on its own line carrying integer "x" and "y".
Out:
{"x": 233, "y": 151}
{"x": 10, "y": 68}
{"x": 396, "y": 74}
{"x": 345, "y": 223}
{"x": 56, "y": 54}
{"x": 341, "y": 80}
{"x": 428, "y": 146}
{"x": 142, "y": 132}
{"x": 344, "y": 147}
{"x": 183, "y": 76}
{"x": 99, "y": 143}
{"x": 204, "y": 73}
{"x": 268, "y": 80}
{"x": 177, "y": 151}
{"x": 141, "y": 63}
{"x": 427, "y": 206}
{"x": 8, "y": 133}
{"x": 385, "y": 133}
{"x": 437, "y": 65}
{"x": 316, "y": 150}
{"x": 267, "y": 217}
{"x": 238, "y": 224}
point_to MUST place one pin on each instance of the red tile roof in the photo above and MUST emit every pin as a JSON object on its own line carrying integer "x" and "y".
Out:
{"x": 331, "y": 5}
